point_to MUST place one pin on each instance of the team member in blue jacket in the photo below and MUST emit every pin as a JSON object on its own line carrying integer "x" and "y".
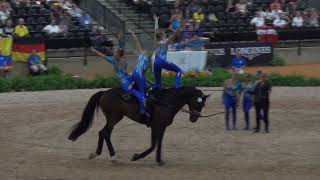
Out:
{"x": 247, "y": 100}
{"x": 230, "y": 100}
{"x": 238, "y": 63}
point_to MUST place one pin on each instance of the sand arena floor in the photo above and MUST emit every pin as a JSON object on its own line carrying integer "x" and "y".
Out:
{"x": 34, "y": 146}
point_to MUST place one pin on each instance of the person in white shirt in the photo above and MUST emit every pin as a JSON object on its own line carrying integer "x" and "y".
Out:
{"x": 52, "y": 29}
{"x": 280, "y": 22}
{"x": 261, "y": 12}
{"x": 258, "y": 20}
{"x": 268, "y": 15}
{"x": 4, "y": 13}
{"x": 276, "y": 13}
{"x": 74, "y": 11}
{"x": 297, "y": 21}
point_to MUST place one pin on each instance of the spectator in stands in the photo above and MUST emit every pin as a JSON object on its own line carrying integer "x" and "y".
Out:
{"x": 261, "y": 12}
{"x": 280, "y": 22}
{"x": 6, "y": 5}
{"x": 21, "y": 30}
{"x": 212, "y": 17}
{"x": 258, "y": 21}
{"x": 1, "y": 30}
{"x": 297, "y": 21}
{"x": 4, "y": 12}
{"x": 292, "y": 6}
{"x": 269, "y": 16}
{"x": 194, "y": 44}
{"x": 8, "y": 30}
{"x": 56, "y": 11}
{"x": 276, "y": 12}
{"x": 5, "y": 64}
{"x": 52, "y": 28}
{"x": 229, "y": 6}
{"x": 313, "y": 18}
{"x": 238, "y": 63}
{"x": 187, "y": 31}
{"x": 241, "y": 7}
{"x": 97, "y": 39}
{"x": 85, "y": 20}
{"x": 35, "y": 64}
{"x": 74, "y": 11}
{"x": 176, "y": 22}
{"x": 198, "y": 17}
{"x": 275, "y": 5}
{"x": 64, "y": 27}
{"x": 67, "y": 4}
{"x": 193, "y": 6}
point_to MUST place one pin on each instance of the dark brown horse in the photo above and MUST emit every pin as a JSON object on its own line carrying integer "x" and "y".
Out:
{"x": 163, "y": 110}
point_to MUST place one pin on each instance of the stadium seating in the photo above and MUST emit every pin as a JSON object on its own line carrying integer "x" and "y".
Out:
{"x": 229, "y": 27}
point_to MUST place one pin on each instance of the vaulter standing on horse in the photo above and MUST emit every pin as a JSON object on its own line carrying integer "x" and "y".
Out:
{"x": 161, "y": 62}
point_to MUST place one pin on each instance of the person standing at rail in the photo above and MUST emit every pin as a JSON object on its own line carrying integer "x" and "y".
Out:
{"x": 238, "y": 63}
{"x": 261, "y": 93}
{"x": 230, "y": 96}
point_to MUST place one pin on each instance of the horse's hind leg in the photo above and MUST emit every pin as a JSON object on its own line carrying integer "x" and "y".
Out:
{"x": 159, "y": 142}
{"x": 154, "y": 135}
{"x": 100, "y": 143}
{"x": 107, "y": 136}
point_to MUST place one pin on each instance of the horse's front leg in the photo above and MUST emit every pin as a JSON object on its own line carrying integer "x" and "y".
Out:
{"x": 159, "y": 143}
{"x": 154, "y": 136}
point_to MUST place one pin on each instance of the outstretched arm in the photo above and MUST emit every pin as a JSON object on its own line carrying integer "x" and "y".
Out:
{"x": 171, "y": 38}
{"x": 98, "y": 53}
{"x": 110, "y": 59}
{"x": 138, "y": 44}
{"x": 156, "y": 26}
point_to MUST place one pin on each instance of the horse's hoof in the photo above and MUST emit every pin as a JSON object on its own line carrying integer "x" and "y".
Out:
{"x": 93, "y": 155}
{"x": 113, "y": 159}
{"x": 161, "y": 163}
{"x": 135, "y": 157}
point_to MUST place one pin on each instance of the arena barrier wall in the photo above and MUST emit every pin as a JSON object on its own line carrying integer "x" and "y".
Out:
{"x": 72, "y": 61}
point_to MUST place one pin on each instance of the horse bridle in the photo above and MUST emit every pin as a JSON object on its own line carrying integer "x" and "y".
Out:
{"x": 197, "y": 113}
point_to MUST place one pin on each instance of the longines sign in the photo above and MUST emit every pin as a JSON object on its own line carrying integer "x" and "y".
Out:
{"x": 254, "y": 53}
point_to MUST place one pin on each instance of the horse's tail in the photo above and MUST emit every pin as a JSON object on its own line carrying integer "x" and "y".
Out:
{"x": 87, "y": 117}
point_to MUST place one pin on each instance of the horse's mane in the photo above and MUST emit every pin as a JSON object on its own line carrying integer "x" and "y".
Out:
{"x": 178, "y": 92}
{"x": 166, "y": 93}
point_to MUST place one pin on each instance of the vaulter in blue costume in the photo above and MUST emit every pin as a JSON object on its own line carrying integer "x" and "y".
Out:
{"x": 230, "y": 99}
{"x": 119, "y": 66}
{"x": 247, "y": 100}
{"x": 125, "y": 79}
{"x": 138, "y": 75}
{"x": 161, "y": 59}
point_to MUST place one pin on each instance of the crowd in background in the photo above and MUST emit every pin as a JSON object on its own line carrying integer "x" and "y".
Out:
{"x": 283, "y": 15}
{"x": 65, "y": 19}
{"x": 44, "y": 18}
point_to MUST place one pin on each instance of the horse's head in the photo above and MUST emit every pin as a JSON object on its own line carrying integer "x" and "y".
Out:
{"x": 196, "y": 104}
